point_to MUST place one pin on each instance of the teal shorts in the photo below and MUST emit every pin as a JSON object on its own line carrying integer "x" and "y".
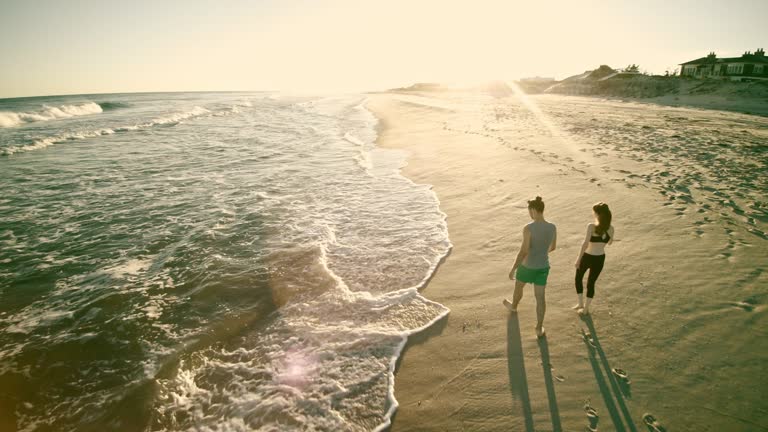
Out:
{"x": 534, "y": 276}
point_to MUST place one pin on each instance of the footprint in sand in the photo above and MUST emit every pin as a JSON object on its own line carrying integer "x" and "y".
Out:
{"x": 558, "y": 377}
{"x": 624, "y": 382}
{"x": 653, "y": 424}
{"x": 747, "y": 305}
{"x": 621, "y": 375}
{"x": 592, "y": 416}
{"x": 758, "y": 233}
{"x": 588, "y": 339}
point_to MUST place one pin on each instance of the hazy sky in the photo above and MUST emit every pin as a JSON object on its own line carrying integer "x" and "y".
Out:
{"x": 63, "y": 47}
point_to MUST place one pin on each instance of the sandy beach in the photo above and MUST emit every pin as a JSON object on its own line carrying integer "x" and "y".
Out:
{"x": 680, "y": 305}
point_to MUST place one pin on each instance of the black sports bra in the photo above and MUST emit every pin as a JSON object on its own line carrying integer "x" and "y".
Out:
{"x": 600, "y": 239}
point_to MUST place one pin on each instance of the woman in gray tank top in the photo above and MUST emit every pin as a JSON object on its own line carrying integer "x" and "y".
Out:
{"x": 532, "y": 263}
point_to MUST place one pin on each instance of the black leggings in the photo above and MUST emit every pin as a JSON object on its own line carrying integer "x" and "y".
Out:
{"x": 593, "y": 263}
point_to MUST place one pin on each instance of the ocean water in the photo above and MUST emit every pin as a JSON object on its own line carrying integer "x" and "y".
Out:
{"x": 206, "y": 261}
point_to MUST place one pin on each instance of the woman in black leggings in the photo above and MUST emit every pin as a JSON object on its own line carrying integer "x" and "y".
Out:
{"x": 592, "y": 254}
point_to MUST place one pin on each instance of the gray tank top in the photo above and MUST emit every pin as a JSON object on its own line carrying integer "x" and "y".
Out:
{"x": 542, "y": 234}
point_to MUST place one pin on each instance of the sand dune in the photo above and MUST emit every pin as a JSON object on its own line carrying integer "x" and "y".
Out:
{"x": 681, "y": 305}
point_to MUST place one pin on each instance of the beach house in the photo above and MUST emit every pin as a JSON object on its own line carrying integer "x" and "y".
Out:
{"x": 750, "y": 66}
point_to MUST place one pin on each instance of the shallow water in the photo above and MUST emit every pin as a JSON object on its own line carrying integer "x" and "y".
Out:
{"x": 217, "y": 261}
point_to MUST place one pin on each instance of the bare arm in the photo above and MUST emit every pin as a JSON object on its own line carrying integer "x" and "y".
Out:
{"x": 612, "y": 233}
{"x": 553, "y": 246}
{"x": 584, "y": 245}
{"x": 523, "y": 252}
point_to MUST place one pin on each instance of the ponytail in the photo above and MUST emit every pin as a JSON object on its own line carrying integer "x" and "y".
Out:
{"x": 603, "y": 218}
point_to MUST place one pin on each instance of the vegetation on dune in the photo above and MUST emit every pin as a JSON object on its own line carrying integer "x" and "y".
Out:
{"x": 630, "y": 82}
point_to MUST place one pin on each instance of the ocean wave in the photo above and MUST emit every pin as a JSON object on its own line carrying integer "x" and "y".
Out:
{"x": 298, "y": 338}
{"x": 174, "y": 118}
{"x": 363, "y": 157}
{"x": 304, "y": 371}
{"x": 170, "y": 120}
{"x": 110, "y": 106}
{"x": 49, "y": 141}
{"x": 11, "y": 119}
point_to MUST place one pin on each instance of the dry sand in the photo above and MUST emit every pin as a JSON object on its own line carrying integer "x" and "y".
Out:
{"x": 681, "y": 304}
{"x": 714, "y": 102}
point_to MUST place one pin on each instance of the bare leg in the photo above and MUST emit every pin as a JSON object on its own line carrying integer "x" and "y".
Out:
{"x": 541, "y": 308}
{"x": 516, "y": 297}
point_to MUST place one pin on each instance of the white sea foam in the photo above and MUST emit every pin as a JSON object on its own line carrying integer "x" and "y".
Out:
{"x": 33, "y": 321}
{"x": 327, "y": 362}
{"x": 130, "y": 267}
{"x": 344, "y": 254}
{"x": 363, "y": 158}
{"x": 170, "y": 119}
{"x": 320, "y": 374}
{"x": 49, "y": 141}
{"x": 177, "y": 117}
{"x": 46, "y": 113}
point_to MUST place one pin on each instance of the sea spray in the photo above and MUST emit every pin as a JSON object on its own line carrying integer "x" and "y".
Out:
{"x": 46, "y": 113}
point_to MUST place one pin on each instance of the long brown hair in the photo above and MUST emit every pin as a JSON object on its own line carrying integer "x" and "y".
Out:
{"x": 603, "y": 218}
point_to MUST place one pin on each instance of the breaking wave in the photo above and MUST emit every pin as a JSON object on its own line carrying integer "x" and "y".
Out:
{"x": 47, "y": 113}
{"x": 254, "y": 279}
{"x": 110, "y": 106}
{"x": 170, "y": 120}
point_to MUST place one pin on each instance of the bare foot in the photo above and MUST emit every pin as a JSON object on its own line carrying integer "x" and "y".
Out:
{"x": 540, "y": 332}
{"x": 509, "y": 305}
{"x": 577, "y": 307}
{"x": 584, "y": 312}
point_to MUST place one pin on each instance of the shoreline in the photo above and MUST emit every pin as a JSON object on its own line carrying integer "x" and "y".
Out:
{"x": 480, "y": 368}
{"x": 414, "y": 334}
{"x": 413, "y": 379}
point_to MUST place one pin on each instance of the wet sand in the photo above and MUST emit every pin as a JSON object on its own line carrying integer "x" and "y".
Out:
{"x": 680, "y": 305}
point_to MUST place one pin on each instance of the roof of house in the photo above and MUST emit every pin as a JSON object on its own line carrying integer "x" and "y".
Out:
{"x": 703, "y": 60}
{"x": 745, "y": 58}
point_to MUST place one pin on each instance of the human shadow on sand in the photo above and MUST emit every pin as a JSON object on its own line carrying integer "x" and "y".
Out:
{"x": 518, "y": 383}
{"x": 547, "y": 366}
{"x": 609, "y": 387}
